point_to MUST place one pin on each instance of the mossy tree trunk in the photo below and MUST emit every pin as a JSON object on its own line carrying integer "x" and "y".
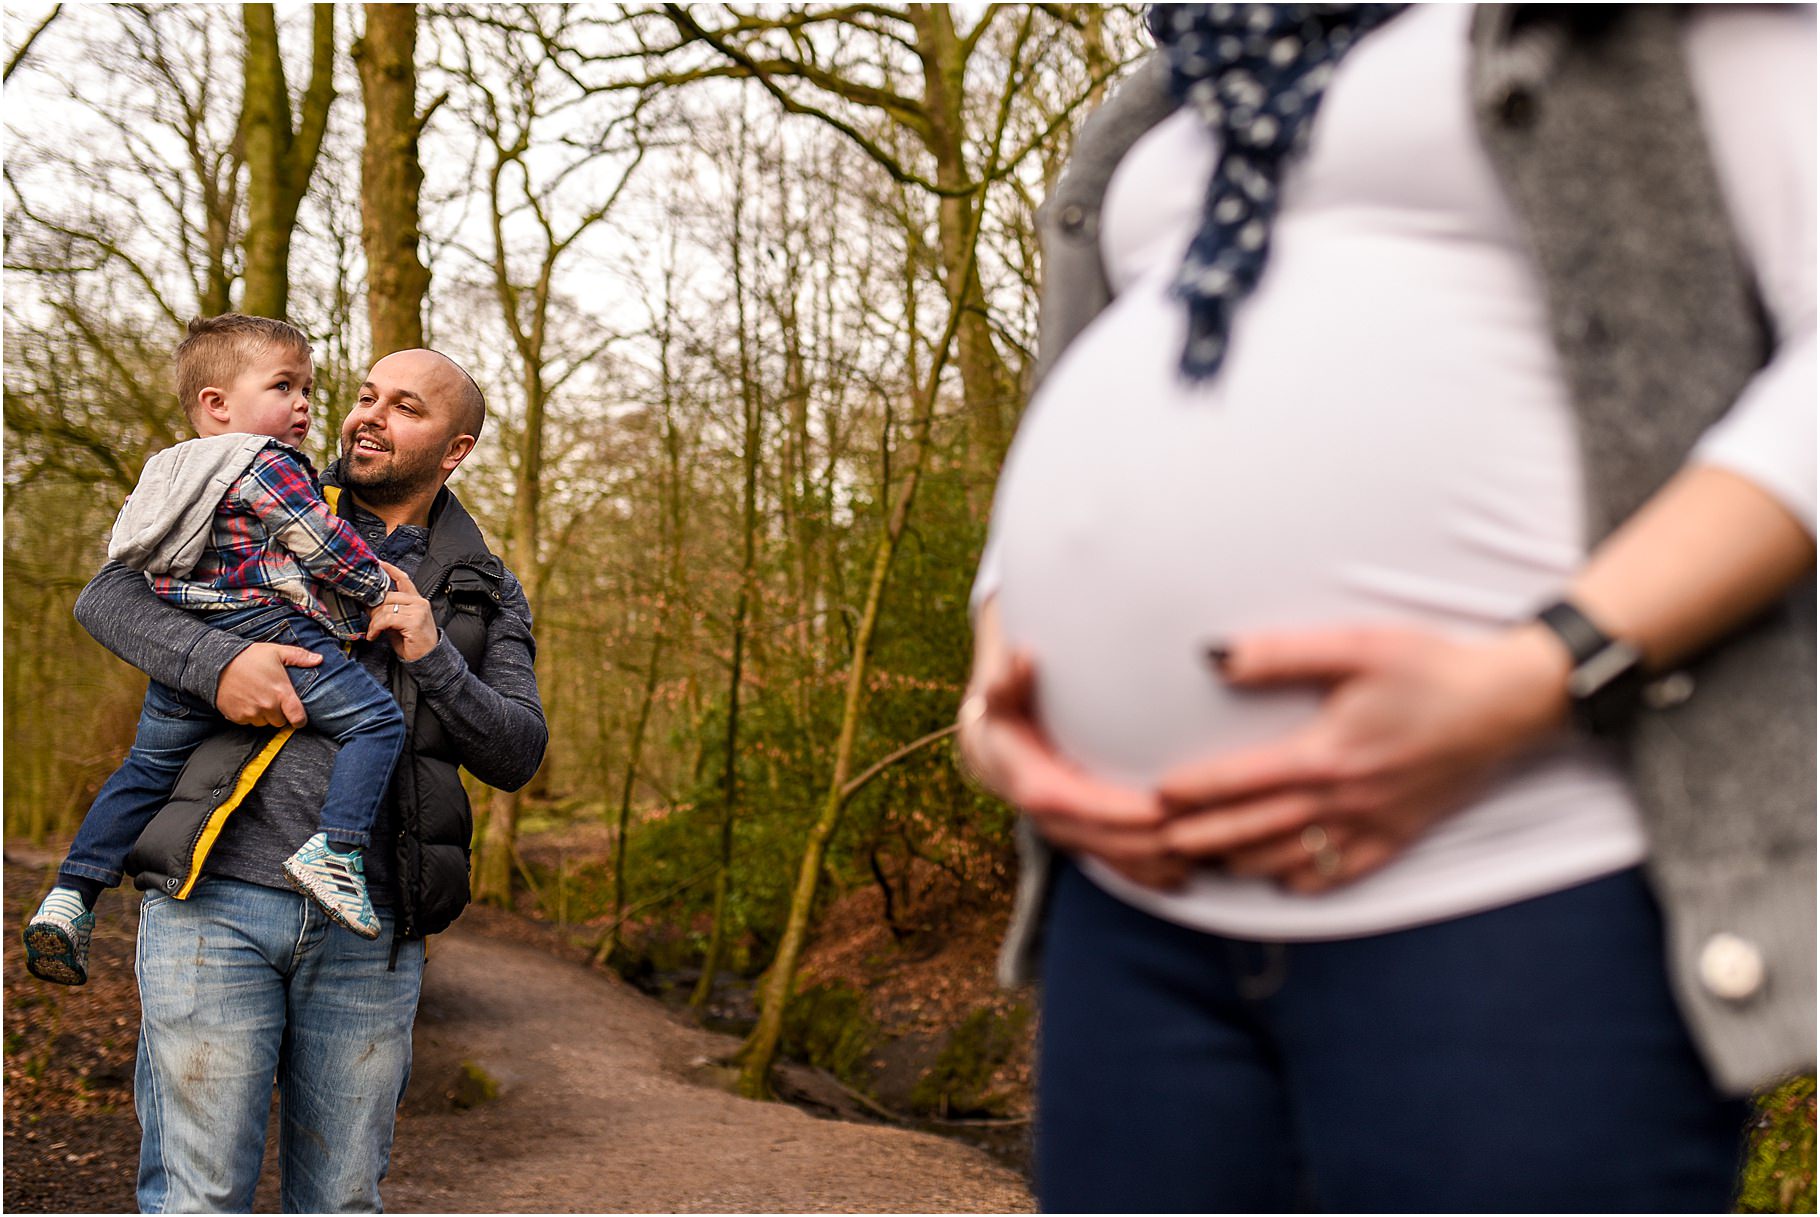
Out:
{"x": 752, "y": 438}
{"x": 759, "y": 1050}
{"x": 281, "y": 149}
{"x": 391, "y": 177}
{"x": 987, "y": 383}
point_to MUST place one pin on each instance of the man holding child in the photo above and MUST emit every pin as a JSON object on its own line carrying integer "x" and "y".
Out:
{"x": 247, "y": 979}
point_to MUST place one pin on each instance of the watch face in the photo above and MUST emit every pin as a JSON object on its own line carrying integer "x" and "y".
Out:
{"x": 1597, "y": 673}
{"x": 1607, "y": 687}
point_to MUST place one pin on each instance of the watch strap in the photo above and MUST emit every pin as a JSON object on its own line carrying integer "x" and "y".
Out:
{"x": 1608, "y": 675}
{"x": 1576, "y": 630}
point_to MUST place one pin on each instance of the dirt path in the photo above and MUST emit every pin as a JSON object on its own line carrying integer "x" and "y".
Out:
{"x": 606, "y": 1102}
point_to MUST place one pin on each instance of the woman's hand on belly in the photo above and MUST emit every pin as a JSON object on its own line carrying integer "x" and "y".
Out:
{"x": 1001, "y": 741}
{"x": 1412, "y": 725}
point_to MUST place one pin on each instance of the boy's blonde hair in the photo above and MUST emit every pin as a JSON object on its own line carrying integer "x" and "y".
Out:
{"x": 219, "y": 348}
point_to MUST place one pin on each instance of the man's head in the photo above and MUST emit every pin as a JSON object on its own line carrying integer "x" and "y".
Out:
{"x": 415, "y": 420}
{"x": 245, "y": 374}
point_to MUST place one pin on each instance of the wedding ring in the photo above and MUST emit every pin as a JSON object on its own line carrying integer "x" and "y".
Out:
{"x": 394, "y": 608}
{"x": 1321, "y": 850}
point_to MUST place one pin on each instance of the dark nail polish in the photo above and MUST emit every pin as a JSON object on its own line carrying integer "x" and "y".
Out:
{"x": 1218, "y": 655}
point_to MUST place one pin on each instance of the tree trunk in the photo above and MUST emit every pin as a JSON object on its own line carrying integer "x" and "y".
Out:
{"x": 279, "y": 158}
{"x": 760, "y": 1047}
{"x": 391, "y": 178}
{"x": 986, "y": 382}
{"x": 525, "y": 311}
{"x": 609, "y": 945}
{"x": 752, "y": 438}
{"x": 493, "y": 869}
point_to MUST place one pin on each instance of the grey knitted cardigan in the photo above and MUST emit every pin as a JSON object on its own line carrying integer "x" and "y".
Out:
{"x": 1595, "y": 135}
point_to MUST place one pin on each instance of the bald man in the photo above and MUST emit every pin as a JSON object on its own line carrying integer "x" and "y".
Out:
{"x": 242, "y": 979}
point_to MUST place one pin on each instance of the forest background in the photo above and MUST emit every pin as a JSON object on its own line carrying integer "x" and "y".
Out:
{"x": 751, "y": 292}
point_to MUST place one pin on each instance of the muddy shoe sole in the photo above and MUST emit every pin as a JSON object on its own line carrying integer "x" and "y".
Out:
{"x": 326, "y": 903}
{"x": 50, "y": 954}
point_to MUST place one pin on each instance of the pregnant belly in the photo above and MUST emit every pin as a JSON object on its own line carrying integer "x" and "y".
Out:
{"x": 1371, "y": 481}
{"x": 1123, "y": 685}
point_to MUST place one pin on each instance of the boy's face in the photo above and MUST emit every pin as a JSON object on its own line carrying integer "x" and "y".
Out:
{"x": 270, "y": 397}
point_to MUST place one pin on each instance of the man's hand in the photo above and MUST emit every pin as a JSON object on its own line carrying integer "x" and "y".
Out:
{"x": 255, "y": 691}
{"x": 1413, "y": 726}
{"x": 1001, "y": 741}
{"x": 404, "y": 615}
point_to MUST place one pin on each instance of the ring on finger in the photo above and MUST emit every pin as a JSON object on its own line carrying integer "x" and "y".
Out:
{"x": 1321, "y": 849}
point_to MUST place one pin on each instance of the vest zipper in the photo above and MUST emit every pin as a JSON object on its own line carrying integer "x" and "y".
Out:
{"x": 408, "y": 876}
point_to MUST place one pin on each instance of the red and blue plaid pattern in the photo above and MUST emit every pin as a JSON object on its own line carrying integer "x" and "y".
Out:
{"x": 275, "y": 541}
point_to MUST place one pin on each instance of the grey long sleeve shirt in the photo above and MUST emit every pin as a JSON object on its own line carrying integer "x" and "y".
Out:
{"x": 494, "y": 715}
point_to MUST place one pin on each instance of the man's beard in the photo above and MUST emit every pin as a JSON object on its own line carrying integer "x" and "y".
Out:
{"x": 398, "y": 481}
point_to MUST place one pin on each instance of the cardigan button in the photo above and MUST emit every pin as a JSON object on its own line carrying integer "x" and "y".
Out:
{"x": 1517, "y": 108}
{"x": 1671, "y": 691}
{"x": 1731, "y": 968}
{"x": 1073, "y": 219}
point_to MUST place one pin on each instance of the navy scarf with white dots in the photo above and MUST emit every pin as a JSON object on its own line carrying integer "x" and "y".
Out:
{"x": 1255, "y": 74}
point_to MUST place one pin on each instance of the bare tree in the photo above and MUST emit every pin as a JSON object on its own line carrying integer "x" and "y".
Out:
{"x": 281, "y": 149}
{"x": 511, "y": 91}
{"x": 751, "y": 441}
{"x": 760, "y": 1047}
{"x": 931, "y": 103}
{"x": 391, "y": 176}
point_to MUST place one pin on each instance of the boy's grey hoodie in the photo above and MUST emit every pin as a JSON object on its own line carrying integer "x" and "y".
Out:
{"x": 165, "y": 524}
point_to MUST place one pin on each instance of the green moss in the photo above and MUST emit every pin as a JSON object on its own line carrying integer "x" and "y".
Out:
{"x": 829, "y": 1026}
{"x": 473, "y": 1086}
{"x": 955, "y": 1085}
{"x": 1779, "y": 1171}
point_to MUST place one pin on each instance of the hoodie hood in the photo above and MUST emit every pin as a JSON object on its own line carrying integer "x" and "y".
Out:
{"x": 166, "y": 522}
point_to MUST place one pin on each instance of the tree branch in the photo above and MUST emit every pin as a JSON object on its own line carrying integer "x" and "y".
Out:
{"x": 890, "y": 759}
{"x": 688, "y": 25}
{"x": 18, "y": 57}
{"x": 317, "y": 99}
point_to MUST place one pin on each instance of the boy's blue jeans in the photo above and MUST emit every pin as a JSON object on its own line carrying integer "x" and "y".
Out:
{"x": 241, "y": 985}
{"x": 342, "y": 701}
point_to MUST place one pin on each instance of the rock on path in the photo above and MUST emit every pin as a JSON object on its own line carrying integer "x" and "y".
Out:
{"x": 606, "y": 1103}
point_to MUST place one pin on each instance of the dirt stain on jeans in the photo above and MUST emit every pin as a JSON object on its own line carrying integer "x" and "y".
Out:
{"x": 196, "y": 1067}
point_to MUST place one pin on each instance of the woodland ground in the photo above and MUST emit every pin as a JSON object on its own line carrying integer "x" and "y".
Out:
{"x": 541, "y": 1084}
{"x": 600, "y": 1098}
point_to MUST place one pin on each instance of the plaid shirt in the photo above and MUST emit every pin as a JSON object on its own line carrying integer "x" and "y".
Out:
{"x": 275, "y": 541}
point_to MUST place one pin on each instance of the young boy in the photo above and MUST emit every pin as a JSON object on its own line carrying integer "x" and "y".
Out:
{"x": 233, "y": 525}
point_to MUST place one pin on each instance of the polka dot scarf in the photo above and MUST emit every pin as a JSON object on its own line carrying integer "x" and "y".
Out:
{"x": 1255, "y": 74}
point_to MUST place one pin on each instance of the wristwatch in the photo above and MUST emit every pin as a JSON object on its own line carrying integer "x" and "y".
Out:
{"x": 1608, "y": 674}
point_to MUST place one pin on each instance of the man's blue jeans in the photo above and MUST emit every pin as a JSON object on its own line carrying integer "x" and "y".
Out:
{"x": 342, "y": 701}
{"x": 241, "y": 985}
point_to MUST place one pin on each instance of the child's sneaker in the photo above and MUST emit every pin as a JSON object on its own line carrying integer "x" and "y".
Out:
{"x": 336, "y": 881}
{"x": 56, "y": 938}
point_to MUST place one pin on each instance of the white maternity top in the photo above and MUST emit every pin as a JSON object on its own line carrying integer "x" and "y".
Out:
{"x": 1390, "y": 441}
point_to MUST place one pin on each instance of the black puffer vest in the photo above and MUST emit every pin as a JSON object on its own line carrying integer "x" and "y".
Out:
{"x": 462, "y": 579}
